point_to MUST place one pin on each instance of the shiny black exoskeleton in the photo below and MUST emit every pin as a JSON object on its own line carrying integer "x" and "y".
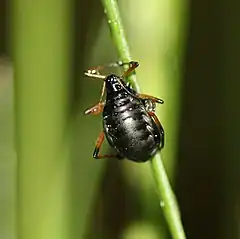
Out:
{"x": 127, "y": 125}
{"x": 129, "y": 122}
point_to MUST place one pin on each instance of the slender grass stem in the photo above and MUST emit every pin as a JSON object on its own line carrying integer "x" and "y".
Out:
{"x": 166, "y": 196}
{"x": 118, "y": 35}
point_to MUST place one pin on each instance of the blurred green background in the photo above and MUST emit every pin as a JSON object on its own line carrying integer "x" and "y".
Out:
{"x": 189, "y": 55}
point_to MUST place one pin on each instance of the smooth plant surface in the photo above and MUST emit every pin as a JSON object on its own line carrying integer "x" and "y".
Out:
{"x": 167, "y": 198}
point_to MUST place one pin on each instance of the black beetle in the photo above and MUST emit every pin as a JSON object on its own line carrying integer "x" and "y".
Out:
{"x": 129, "y": 121}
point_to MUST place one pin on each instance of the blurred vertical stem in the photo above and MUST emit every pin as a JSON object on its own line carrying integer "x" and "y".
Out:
{"x": 166, "y": 195}
{"x": 41, "y": 56}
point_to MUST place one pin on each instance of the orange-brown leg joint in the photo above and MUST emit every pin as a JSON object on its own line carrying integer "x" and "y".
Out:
{"x": 132, "y": 66}
{"x": 95, "y": 110}
{"x": 155, "y": 118}
{"x": 154, "y": 99}
{"x": 98, "y": 147}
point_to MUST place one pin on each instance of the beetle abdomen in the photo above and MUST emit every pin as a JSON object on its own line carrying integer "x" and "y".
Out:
{"x": 129, "y": 128}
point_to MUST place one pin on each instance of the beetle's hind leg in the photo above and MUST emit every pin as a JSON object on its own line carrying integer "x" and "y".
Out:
{"x": 153, "y": 115}
{"x": 155, "y": 118}
{"x": 98, "y": 147}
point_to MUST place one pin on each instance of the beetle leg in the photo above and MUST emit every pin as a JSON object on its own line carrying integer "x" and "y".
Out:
{"x": 154, "y": 99}
{"x": 155, "y": 118}
{"x": 94, "y": 75}
{"x": 97, "y": 69}
{"x": 95, "y": 72}
{"x": 98, "y": 147}
{"x": 132, "y": 66}
{"x": 96, "y": 109}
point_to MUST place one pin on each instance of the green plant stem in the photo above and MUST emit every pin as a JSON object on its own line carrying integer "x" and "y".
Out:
{"x": 118, "y": 35}
{"x": 167, "y": 198}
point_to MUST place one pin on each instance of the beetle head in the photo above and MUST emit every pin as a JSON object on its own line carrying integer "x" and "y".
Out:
{"x": 114, "y": 84}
